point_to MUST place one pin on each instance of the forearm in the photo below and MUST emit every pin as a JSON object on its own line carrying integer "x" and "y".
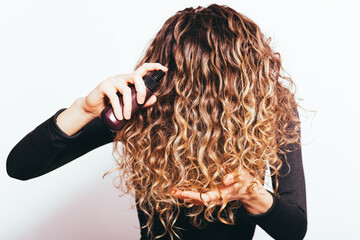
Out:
{"x": 47, "y": 147}
{"x": 38, "y": 149}
{"x": 74, "y": 118}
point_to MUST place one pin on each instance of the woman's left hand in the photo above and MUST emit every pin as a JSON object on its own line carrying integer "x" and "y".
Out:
{"x": 233, "y": 188}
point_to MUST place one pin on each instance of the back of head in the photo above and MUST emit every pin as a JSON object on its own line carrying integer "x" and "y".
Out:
{"x": 221, "y": 108}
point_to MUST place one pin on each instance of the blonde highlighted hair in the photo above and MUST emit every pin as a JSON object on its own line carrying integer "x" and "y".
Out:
{"x": 222, "y": 107}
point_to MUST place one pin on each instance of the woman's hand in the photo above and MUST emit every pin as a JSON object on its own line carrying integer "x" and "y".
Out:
{"x": 94, "y": 103}
{"x": 233, "y": 188}
{"x": 85, "y": 109}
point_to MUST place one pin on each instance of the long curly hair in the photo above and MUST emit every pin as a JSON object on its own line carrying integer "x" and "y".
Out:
{"x": 223, "y": 106}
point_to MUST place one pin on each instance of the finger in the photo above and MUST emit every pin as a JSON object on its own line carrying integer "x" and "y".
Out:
{"x": 140, "y": 88}
{"x": 232, "y": 192}
{"x": 110, "y": 92}
{"x": 228, "y": 179}
{"x": 191, "y": 195}
{"x": 226, "y": 193}
{"x": 204, "y": 197}
{"x": 150, "y": 101}
{"x": 126, "y": 92}
{"x": 194, "y": 202}
{"x": 146, "y": 67}
{"x": 211, "y": 196}
{"x": 175, "y": 192}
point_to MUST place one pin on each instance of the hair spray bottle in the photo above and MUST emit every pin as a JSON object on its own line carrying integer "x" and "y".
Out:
{"x": 107, "y": 114}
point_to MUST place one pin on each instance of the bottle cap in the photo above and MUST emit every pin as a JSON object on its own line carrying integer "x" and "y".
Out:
{"x": 151, "y": 82}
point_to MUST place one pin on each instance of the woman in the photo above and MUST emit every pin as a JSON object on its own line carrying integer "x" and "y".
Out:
{"x": 196, "y": 159}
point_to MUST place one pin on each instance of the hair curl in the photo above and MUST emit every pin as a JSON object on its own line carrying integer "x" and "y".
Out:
{"x": 223, "y": 106}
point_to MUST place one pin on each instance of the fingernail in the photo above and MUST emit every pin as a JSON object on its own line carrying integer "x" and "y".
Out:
{"x": 176, "y": 193}
{"x": 120, "y": 116}
{"x": 142, "y": 99}
{"x": 128, "y": 115}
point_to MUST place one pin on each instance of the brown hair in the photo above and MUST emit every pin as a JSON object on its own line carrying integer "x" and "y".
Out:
{"x": 223, "y": 106}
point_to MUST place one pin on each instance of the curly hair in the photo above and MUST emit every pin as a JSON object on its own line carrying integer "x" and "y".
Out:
{"x": 222, "y": 107}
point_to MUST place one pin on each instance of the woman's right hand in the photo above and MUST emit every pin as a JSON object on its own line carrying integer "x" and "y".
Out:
{"x": 95, "y": 102}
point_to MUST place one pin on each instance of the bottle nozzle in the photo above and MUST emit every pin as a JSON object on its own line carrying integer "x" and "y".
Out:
{"x": 152, "y": 81}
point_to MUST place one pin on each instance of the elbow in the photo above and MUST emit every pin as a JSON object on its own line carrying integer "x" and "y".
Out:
{"x": 13, "y": 172}
{"x": 303, "y": 226}
{"x": 295, "y": 228}
{"x": 295, "y": 232}
{"x": 302, "y": 223}
{"x": 22, "y": 178}
{"x": 16, "y": 175}
{"x": 299, "y": 229}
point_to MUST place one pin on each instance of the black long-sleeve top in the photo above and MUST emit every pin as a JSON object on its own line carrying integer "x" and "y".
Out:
{"x": 47, "y": 147}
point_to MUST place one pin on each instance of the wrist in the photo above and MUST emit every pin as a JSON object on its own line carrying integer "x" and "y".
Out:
{"x": 258, "y": 201}
{"x": 80, "y": 104}
{"x": 73, "y": 118}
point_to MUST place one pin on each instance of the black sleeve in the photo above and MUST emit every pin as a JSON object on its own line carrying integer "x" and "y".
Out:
{"x": 47, "y": 147}
{"x": 287, "y": 217}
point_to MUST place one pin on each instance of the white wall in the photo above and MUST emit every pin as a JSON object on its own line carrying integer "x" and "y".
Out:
{"x": 52, "y": 52}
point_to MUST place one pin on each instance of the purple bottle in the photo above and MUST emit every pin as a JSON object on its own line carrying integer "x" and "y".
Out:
{"x": 107, "y": 114}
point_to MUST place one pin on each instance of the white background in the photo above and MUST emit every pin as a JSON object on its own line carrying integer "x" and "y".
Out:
{"x": 52, "y": 52}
